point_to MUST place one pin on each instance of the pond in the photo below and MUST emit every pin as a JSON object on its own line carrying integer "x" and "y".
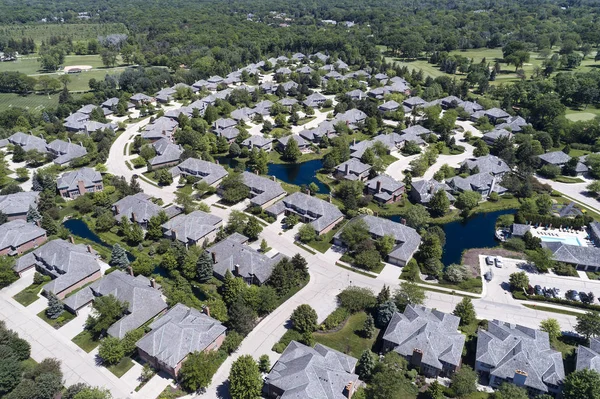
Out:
{"x": 79, "y": 228}
{"x": 299, "y": 174}
{"x": 475, "y": 232}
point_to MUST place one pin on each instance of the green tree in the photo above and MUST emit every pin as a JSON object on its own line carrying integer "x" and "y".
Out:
{"x": 143, "y": 265}
{"x": 542, "y": 258}
{"x": 163, "y": 177}
{"x": 33, "y": 215}
{"x": 409, "y": 293}
{"x": 584, "y": 383}
{"x": 385, "y": 311}
{"x": 439, "y": 204}
{"x": 233, "y": 188}
{"x": 118, "y": 257}
{"x": 233, "y": 287}
{"x": 417, "y": 216}
{"x": 464, "y": 381}
{"x": 552, "y": 327}
{"x": 291, "y": 220}
{"x": 304, "y": 319}
{"x": 291, "y": 151}
{"x": 588, "y": 325}
{"x": 369, "y": 326}
{"x": 106, "y": 310}
{"x": 7, "y": 273}
{"x": 264, "y": 364}
{"x": 366, "y": 365}
{"x": 154, "y": 230}
{"x": 355, "y": 233}
{"x": 356, "y": 299}
{"x": 253, "y": 228}
{"x": 264, "y": 247}
{"x": 204, "y": 267}
{"x": 93, "y": 393}
{"x": 198, "y": 369}
{"x": 241, "y": 317}
{"x": 368, "y": 259}
{"x": 111, "y": 351}
{"x": 511, "y": 391}
{"x": 245, "y": 381}
{"x": 466, "y": 311}
{"x": 385, "y": 244}
{"x": 518, "y": 281}
{"x": 467, "y": 201}
{"x": 55, "y": 306}
{"x": 135, "y": 234}
{"x": 435, "y": 390}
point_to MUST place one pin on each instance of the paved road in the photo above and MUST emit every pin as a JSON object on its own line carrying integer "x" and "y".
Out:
{"x": 451, "y": 160}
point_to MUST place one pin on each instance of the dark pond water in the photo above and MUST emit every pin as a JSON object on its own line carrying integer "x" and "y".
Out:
{"x": 79, "y": 228}
{"x": 299, "y": 174}
{"x": 474, "y": 232}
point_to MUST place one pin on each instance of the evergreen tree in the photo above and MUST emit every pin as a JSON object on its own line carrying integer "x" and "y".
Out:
{"x": 366, "y": 365}
{"x": 466, "y": 311}
{"x": 384, "y": 295}
{"x": 369, "y": 327}
{"x": 118, "y": 257}
{"x": 291, "y": 152}
{"x": 55, "y": 306}
{"x": 49, "y": 224}
{"x": 205, "y": 267}
{"x": 385, "y": 311}
{"x": 33, "y": 216}
{"x": 253, "y": 228}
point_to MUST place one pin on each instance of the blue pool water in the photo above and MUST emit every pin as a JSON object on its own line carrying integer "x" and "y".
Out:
{"x": 565, "y": 240}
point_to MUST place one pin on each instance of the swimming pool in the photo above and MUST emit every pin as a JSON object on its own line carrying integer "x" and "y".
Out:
{"x": 570, "y": 240}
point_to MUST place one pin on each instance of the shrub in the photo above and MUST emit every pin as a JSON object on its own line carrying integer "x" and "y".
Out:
{"x": 138, "y": 162}
{"x": 355, "y": 299}
{"x": 336, "y": 318}
{"x": 562, "y": 269}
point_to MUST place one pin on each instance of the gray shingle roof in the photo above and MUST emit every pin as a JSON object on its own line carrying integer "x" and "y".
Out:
{"x": 191, "y": 227}
{"x": 161, "y": 127}
{"x": 388, "y": 185}
{"x": 206, "y": 171}
{"x": 519, "y": 230}
{"x": 323, "y": 212}
{"x": 497, "y": 113}
{"x": 169, "y": 153}
{"x": 389, "y": 106}
{"x": 316, "y": 373}
{"x": 256, "y": 141}
{"x": 28, "y": 142}
{"x": 496, "y": 134}
{"x": 66, "y": 151}
{"x": 137, "y": 206}
{"x": 297, "y": 138}
{"x": 431, "y": 331}
{"x": 425, "y": 189}
{"x": 574, "y": 254}
{"x": 18, "y": 203}
{"x": 589, "y": 358}
{"x": 17, "y": 232}
{"x": 354, "y": 166}
{"x": 508, "y": 347}
{"x": 314, "y": 100}
{"x": 141, "y": 97}
{"x": 233, "y": 251}
{"x": 70, "y": 180}
{"x": 416, "y": 130}
{"x": 414, "y": 102}
{"x": 478, "y": 182}
{"x": 555, "y": 158}
{"x": 179, "y": 332}
{"x": 261, "y": 188}
{"x": 488, "y": 164}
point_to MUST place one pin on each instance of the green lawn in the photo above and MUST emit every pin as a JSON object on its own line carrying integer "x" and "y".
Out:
{"x": 171, "y": 393}
{"x": 39, "y": 32}
{"x": 553, "y": 310}
{"x": 29, "y": 295}
{"x": 57, "y": 323}
{"x": 324, "y": 241}
{"x": 567, "y": 347}
{"x": 348, "y": 340}
{"x": 86, "y": 341}
{"x": 35, "y": 102}
{"x": 569, "y": 180}
{"x": 122, "y": 367}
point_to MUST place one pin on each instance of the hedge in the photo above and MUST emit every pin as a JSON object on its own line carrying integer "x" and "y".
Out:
{"x": 540, "y": 298}
{"x": 336, "y": 318}
{"x": 577, "y": 223}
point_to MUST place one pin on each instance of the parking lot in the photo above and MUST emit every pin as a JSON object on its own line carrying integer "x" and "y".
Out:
{"x": 499, "y": 283}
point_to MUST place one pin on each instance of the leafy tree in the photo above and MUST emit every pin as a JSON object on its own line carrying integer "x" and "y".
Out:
{"x": 466, "y": 311}
{"x": 356, "y": 233}
{"x": 584, "y": 383}
{"x": 439, "y": 204}
{"x": 356, "y": 299}
{"x": 10, "y": 374}
{"x": 409, "y": 293}
{"x": 135, "y": 234}
{"x": 385, "y": 311}
{"x": 291, "y": 220}
{"x": 110, "y": 350}
{"x": 588, "y": 325}
{"x": 366, "y": 365}
{"x": 204, "y": 267}
{"x": 467, "y": 201}
{"x": 369, "y": 326}
{"x": 241, "y": 317}
{"x": 233, "y": 188}
{"x": 118, "y": 257}
{"x": 129, "y": 340}
{"x": 511, "y": 391}
{"x": 106, "y": 310}
{"x": 435, "y": 390}
{"x": 232, "y": 342}
{"x": 518, "y": 281}
{"x": 464, "y": 381}
{"x": 304, "y": 319}
{"x": 7, "y": 273}
{"x": 197, "y": 371}
{"x": 143, "y": 265}
{"x": 264, "y": 364}
{"x": 417, "y": 216}
{"x": 267, "y": 300}
{"x": 55, "y": 306}
{"x": 154, "y": 230}
{"x": 233, "y": 287}
{"x": 542, "y": 258}
{"x": 26, "y": 389}
{"x": 93, "y": 393}
{"x": 385, "y": 244}
{"x": 245, "y": 381}
{"x": 384, "y": 295}
{"x": 456, "y": 273}
{"x": 552, "y": 327}
{"x": 368, "y": 259}
{"x": 264, "y": 247}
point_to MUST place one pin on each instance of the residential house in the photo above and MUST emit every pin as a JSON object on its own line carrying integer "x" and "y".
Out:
{"x": 356, "y": 95}
{"x": 139, "y": 208}
{"x": 427, "y": 338}
{"x": 140, "y": 99}
{"x": 471, "y": 107}
{"x": 487, "y": 164}
{"x": 195, "y": 228}
{"x": 263, "y": 107}
{"x": 230, "y": 134}
{"x": 582, "y": 258}
{"x": 451, "y": 102}
{"x": 321, "y": 57}
{"x": 27, "y": 142}
{"x": 64, "y": 152}
{"x": 352, "y": 118}
{"x": 589, "y": 357}
{"x": 111, "y": 105}
{"x": 143, "y": 298}
{"x": 519, "y": 230}
{"x": 325, "y": 128}
{"x": 514, "y": 123}
{"x": 78, "y": 182}
{"x": 269, "y": 87}
{"x": 594, "y": 232}
{"x": 167, "y": 154}
{"x": 18, "y": 236}
{"x": 391, "y": 141}
{"x": 323, "y": 216}
{"x": 381, "y": 77}
{"x": 303, "y": 145}
{"x": 178, "y": 333}
{"x": 288, "y": 103}
{"x": 556, "y": 158}
{"x": 389, "y": 106}
{"x": 162, "y": 127}
{"x": 241, "y": 260}
{"x": 242, "y": 114}
{"x": 223, "y": 123}
{"x": 283, "y": 71}
{"x": 495, "y": 115}
{"x": 91, "y": 127}
{"x": 316, "y": 373}
{"x": 69, "y": 265}
{"x": 482, "y": 183}
{"x": 422, "y": 191}
{"x": 298, "y": 57}
{"x": 259, "y": 142}
{"x": 352, "y": 169}
{"x": 264, "y": 192}
{"x": 15, "y": 206}
{"x": 566, "y": 211}
{"x": 289, "y": 86}
{"x": 205, "y": 171}
{"x": 315, "y": 100}
{"x": 406, "y": 239}
{"x": 509, "y": 353}
{"x": 165, "y": 95}
{"x": 216, "y": 79}
{"x": 76, "y": 121}
{"x": 176, "y": 113}
{"x": 305, "y": 70}
{"x": 385, "y": 189}
{"x": 414, "y": 102}
{"x": 493, "y": 136}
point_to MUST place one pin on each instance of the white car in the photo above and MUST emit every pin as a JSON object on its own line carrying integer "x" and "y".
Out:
{"x": 489, "y": 260}
{"x": 499, "y": 262}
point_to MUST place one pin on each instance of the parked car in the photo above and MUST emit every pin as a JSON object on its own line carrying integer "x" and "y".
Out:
{"x": 489, "y": 260}
{"x": 499, "y": 262}
{"x": 572, "y": 295}
{"x": 556, "y": 292}
{"x": 584, "y": 297}
{"x": 538, "y": 290}
{"x": 488, "y": 275}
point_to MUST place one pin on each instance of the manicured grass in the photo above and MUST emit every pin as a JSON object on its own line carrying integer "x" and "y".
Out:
{"x": 39, "y": 32}
{"x": 29, "y": 295}
{"x": 171, "y": 393}
{"x": 348, "y": 339}
{"x": 567, "y": 346}
{"x": 33, "y": 102}
{"x": 275, "y": 157}
{"x": 304, "y": 247}
{"x": 85, "y": 341}
{"x": 567, "y": 179}
{"x": 355, "y": 270}
{"x": 577, "y": 115}
{"x": 553, "y": 310}
{"x": 324, "y": 242}
{"x": 57, "y": 323}
{"x": 122, "y": 367}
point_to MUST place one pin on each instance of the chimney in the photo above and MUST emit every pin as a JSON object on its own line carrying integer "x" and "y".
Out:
{"x": 256, "y": 171}
{"x": 349, "y": 390}
{"x": 519, "y": 378}
{"x": 329, "y": 198}
{"x": 214, "y": 257}
{"x": 206, "y": 310}
{"x": 130, "y": 269}
{"x": 236, "y": 270}
{"x": 307, "y": 191}
{"x": 346, "y": 169}
{"x": 403, "y": 221}
{"x": 69, "y": 140}
{"x": 274, "y": 178}
{"x": 417, "y": 357}
{"x": 89, "y": 249}
{"x": 378, "y": 187}
{"x": 133, "y": 216}
{"x": 81, "y": 144}
{"x": 72, "y": 239}
{"x": 217, "y": 161}
{"x": 153, "y": 283}
{"x": 354, "y": 142}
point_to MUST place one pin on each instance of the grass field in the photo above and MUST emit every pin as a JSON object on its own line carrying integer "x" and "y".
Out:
{"x": 587, "y": 114}
{"x": 348, "y": 339}
{"x": 29, "y": 295}
{"x": 39, "y": 32}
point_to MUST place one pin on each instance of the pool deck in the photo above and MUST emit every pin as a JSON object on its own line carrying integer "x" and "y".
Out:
{"x": 580, "y": 238}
